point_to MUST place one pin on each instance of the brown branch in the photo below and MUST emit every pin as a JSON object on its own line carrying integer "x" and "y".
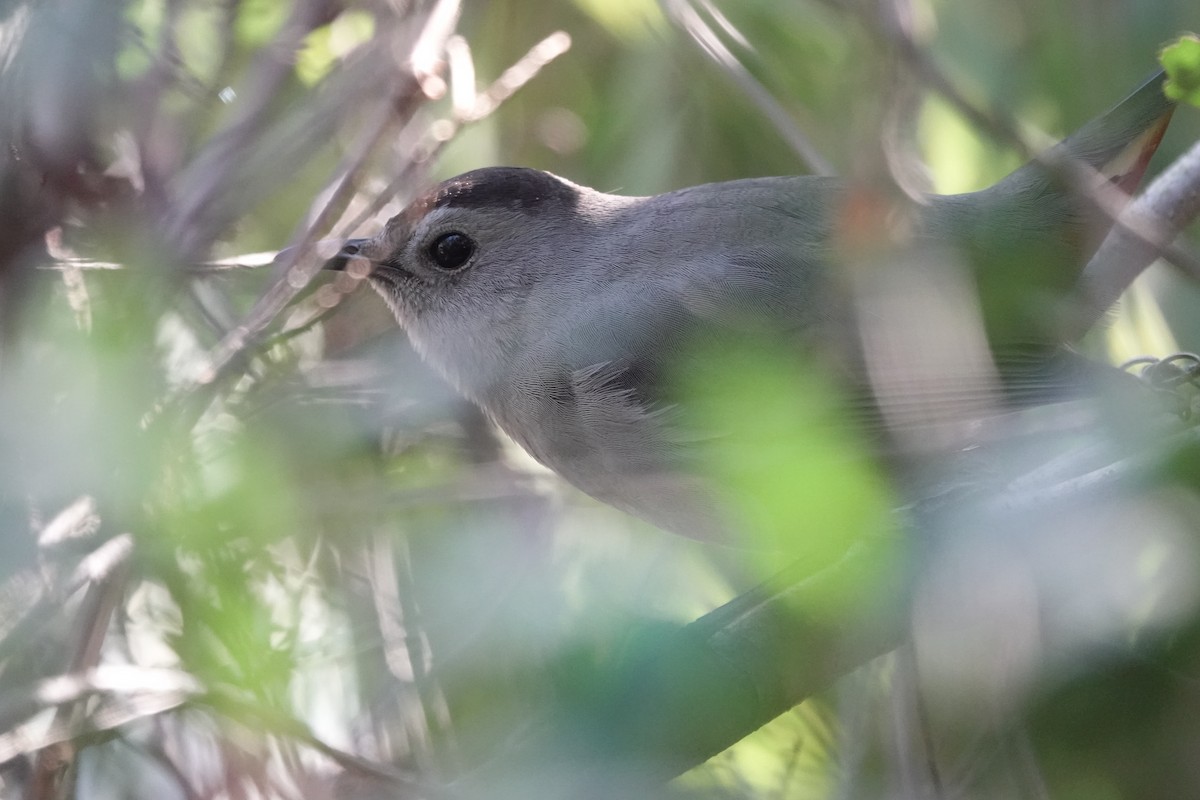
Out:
{"x": 299, "y": 265}
{"x": 274, "y": 721}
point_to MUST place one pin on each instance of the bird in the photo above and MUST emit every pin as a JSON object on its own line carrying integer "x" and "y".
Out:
{"x": 566, "y": 313}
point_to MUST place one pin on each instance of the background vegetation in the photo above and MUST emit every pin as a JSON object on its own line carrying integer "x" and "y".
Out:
{"x": 250, "y": 547}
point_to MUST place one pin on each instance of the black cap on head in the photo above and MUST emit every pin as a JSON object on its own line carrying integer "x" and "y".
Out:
{"x": 504, "y": 186}
{"x": 527, "y": 189}
{"x": 495, "y": 187}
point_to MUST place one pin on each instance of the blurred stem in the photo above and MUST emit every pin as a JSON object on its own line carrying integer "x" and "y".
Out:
{"x": 295, "y": 273}
{"x": 677, "y": 699}
{"x": 687, "y": 17}
{"x": 1147, "y": 226}
{"x": 1144, "y": 231}
{"x": 272, "y": 720}
{"x": 208, "y": 177}
{"x": 107, "y": 569}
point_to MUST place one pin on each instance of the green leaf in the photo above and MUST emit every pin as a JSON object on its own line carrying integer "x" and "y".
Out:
{"x": 1181, "y": 60}
{"x": 627, "y": 19}
{"x": 258, "y": 21}
{"x": 327, "y": 45}
{"x": 786, "y": 451}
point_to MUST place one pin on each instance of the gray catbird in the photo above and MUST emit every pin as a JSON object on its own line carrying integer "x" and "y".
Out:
{"x": 560, "y": 310}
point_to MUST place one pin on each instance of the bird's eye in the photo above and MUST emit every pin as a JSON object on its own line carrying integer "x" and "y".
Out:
{"x": 451, "y": 250}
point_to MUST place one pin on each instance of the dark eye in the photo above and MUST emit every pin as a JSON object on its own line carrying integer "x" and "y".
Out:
{"x": 451, "y": 250}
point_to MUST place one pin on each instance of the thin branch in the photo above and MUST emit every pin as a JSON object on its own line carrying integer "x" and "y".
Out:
{"x": 442, "y": 131}
{"x": 246, "y": 261}
{"x": 1092, "y": 482}
{"x": 299, "y": 266}
{"x": 273, "y": 720}
{"x": 127, "y": 693}
{"x": 1169, "y": 204}
{"x": 684, "y": 14}
{"x": 204, "y": 181}
{"x": 680, "y": 696}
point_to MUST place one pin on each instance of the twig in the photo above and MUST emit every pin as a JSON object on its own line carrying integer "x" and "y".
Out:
{"x": 297, "y": 273}
{"x": 237, "y": 263}
{"x": 485, "y": 103}
{"x": 684, "y": 13}
{"x": 203, "y": 182}
{"x": 516, "y": 76}
{"x": 280, "y": 723}
{"x": 1091, "y": 482}
{"x": 142, "y": 692}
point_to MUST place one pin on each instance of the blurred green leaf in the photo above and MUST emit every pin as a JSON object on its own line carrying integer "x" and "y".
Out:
{"x": 359, "y": 553}
{"x": 238, "y": 489}
{"x": 258, "y": 21}
{"x": 327, "y": 45}
{"x": 628, "y": 19}
{"x": 960, "y": 158}
{"x": 146, "y": 19}
{"x": 800, "y": 475}
{"x": 199, "y": 39}
{"x": 1181, "y": 60}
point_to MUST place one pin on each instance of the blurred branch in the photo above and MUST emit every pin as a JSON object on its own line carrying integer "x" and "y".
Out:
{"x": 1144, "y": 230}
{"x": 895, "y": 29}
{"x": 206, "y": 178}
{"x": 102, "y": 574}
{"x": 680, "y": 696}
{"x": 685, "y": 15}
{"x": 512, "y": 79}
{"x": 237, "y": 263}
{"x": 298, "y": 264}
{"x": 99, "y": 566}
{"x": 297, "y": 274}
{"x": 1075, "y": 476}
{"x": 466, "y": 112}
{"x": 115, "y": 695}
{"x": 892, "y": 27}
{"x": 478, "y": 108}
{"x": 274, "y": 721}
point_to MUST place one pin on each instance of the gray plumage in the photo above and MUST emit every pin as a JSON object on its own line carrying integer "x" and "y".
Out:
{"x": 572, "y": 307}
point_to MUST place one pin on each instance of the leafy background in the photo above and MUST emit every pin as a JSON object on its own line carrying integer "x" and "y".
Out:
{"x": 286, "y": 561}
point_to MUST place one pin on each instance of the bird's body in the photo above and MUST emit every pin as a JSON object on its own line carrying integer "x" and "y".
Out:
{"x": 564, "y": 312}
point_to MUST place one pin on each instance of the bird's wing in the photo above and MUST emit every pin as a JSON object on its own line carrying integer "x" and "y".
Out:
{"x": 645, "y": 359}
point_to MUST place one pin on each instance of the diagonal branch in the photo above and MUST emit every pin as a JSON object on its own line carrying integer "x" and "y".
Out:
{"x": 679, "y": 696}
{"x": 1146, "y": 228}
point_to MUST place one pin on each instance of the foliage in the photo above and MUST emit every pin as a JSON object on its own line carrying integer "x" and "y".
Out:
{"x": 1181, "y": 59}
{"x": 252, "y": 547}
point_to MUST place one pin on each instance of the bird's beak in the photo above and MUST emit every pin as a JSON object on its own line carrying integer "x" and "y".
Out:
{"x": 349, "y": 249}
